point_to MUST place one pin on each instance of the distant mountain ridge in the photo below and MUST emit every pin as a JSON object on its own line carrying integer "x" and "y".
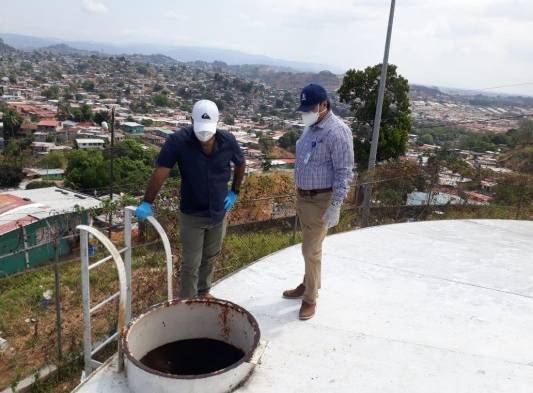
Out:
{"x": 180, "y": 53}
{"x": 6, "y": 49}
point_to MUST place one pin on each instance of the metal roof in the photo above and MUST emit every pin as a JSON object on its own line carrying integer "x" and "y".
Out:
{"x": 439, "y": 306}
{"x": 22, "y": 207}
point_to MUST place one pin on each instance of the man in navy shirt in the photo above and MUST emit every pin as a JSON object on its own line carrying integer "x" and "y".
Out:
{"x": 203, "y": 154}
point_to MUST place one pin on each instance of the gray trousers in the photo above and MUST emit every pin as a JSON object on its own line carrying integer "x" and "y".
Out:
{"x": 201, "y": 244}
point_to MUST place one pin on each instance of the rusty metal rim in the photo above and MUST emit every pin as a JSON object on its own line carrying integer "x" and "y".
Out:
{"x": 247, "y": 356}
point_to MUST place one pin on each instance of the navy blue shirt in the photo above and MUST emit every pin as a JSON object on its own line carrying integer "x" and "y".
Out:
{"x": 204, "y": 179}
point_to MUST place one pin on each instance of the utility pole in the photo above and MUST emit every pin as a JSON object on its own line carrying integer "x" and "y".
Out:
{"x": 377, "y": 122}
{"x": 111, "y": 174}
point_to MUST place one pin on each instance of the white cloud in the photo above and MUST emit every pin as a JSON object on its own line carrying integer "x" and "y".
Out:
{"x": 472, "y": 44}
{"x": 175, "y": 16}
{"x": 94, "y": 6}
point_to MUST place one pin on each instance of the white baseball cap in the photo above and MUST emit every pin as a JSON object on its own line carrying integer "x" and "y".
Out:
{"x": 205, "y": 116}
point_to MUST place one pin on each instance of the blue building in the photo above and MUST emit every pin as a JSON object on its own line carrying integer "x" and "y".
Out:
{"x": 163, "y": 132}
{"x": 132, "y": 128}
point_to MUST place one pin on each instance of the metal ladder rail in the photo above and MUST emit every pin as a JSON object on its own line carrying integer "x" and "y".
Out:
{"x": 128, "y": 215}
{"x": 124, "y": 296}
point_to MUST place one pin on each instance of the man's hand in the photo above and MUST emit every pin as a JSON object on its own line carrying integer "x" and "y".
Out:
{"x": 143, "y": 211}
{"x": 230, "y": 200}
{"x": 331, "y": 216}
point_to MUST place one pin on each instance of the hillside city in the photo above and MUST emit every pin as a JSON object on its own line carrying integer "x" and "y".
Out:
{"x": 63, "y": 95}
{"x": 80, "y": 131}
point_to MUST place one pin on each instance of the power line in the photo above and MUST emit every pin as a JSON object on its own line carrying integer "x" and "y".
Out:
{"x": 503, "y": 86}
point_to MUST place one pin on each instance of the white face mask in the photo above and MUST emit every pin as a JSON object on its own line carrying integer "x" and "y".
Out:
{"x": 310, "y": 118}
{"x": 203, "y": 136}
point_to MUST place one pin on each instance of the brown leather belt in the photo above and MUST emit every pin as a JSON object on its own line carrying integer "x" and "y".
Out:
{"x": 304, "y": 193}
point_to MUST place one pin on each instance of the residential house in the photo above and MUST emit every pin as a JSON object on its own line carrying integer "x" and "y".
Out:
{"x": 475, "y": 198}
{"x": 90, "y": 143}
{"x": 487, "y": 186}
{"x": 418, "y": 198}
{"x": 28, "y": 128}
{"x": 154, "y": 139}
{"x": 49, "y": 125}
{"x": 132, "y": 128}
{"x": 31, "y": 221}
{"x": 40, "y": 148}
{"x": 40, "y": 136}
{"x": 45, "y": 174}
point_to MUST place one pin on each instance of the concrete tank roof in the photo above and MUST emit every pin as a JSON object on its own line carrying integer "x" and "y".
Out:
{"x": 440, "y": 306}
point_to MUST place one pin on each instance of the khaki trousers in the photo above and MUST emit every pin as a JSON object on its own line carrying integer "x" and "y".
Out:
{"x": 201, "y": 244}
{"x": 310, "y": 210}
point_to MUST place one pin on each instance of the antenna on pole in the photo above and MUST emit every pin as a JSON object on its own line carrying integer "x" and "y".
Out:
{"x": 377, "y": 121}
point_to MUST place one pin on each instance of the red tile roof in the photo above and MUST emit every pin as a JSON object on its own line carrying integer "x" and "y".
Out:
{"x": 48, "y": 123}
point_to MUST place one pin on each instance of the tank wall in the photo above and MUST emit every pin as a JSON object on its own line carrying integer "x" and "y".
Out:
{"x": 141, "y": 381}
{"x": 182, "y": 321}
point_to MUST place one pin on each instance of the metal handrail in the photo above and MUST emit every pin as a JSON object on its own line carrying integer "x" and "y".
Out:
{"x": 168, "y": 254}
{"x": 124, "y": 309}
{"x": 124, "y": 294}
{"x": 128, "y": 213}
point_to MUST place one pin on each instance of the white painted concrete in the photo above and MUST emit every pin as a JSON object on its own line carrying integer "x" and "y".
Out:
{"x": 441, "y": 306}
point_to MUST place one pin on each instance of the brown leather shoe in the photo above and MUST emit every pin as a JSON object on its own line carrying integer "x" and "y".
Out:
{"x": 307, "y": 311}
{"x": 295, "y": 293}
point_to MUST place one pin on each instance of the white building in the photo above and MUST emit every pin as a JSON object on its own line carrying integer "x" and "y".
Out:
{"x": 90, "y": 143}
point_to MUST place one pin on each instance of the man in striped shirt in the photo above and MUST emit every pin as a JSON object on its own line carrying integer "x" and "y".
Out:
{"x": 323, "y": 172}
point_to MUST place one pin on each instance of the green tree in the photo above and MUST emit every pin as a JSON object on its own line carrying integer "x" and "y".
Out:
{"x": 229, "y": 120}
{"x": 161, "y": 100}
{"x": 88, "y": 85}
{"x": 288, "y": 140}
{"x": 52, "y": 93}
{"x": 87, "y": 170}
{"x": 53, "y": 160}
{"x": 427, "y": 139}
{"x": 266, "y": 143}
{"x": 39, "y": 184}
{"x": 63, "y": 110}
{"x": 12, "y": 121}
{"x": 134, "y": 151}
{"x": 515, "y": 190}
{"x": 524, "y": 134}
{"x": 10, "y": 174}
{"x": 83, "y": 113}
{"x": 101, "y": 116}
{"x": 359, "y": 89}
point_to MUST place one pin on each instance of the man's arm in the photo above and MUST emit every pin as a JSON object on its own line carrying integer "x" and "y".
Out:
{"x": 238, "y": 176}
{"x": 156, "y": 181}
{"x": 343, "y": 162}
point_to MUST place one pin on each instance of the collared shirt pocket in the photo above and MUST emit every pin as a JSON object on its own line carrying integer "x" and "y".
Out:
{"x": 320, "y": 151}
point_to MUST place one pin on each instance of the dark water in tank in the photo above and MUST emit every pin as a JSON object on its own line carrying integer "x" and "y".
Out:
{"x": 192, "y": 357}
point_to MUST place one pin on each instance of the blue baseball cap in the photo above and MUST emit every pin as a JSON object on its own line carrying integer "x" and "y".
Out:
{"x": 311, "y": 96}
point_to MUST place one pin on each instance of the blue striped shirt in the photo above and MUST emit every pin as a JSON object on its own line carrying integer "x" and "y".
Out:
{"x": 324, "y": 157}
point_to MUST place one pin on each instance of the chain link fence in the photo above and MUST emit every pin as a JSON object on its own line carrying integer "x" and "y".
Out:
{"x": 40, "y": 309}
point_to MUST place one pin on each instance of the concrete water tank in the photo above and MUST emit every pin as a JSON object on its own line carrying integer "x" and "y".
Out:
{"x": 186, "y": 346}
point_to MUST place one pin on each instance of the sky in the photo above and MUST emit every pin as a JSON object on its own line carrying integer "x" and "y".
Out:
{"x": 473, "y": 44}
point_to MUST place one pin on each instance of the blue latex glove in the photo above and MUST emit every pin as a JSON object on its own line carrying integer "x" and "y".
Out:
{"x": 230, "y": 200}
{"x": 143, "y": 211}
